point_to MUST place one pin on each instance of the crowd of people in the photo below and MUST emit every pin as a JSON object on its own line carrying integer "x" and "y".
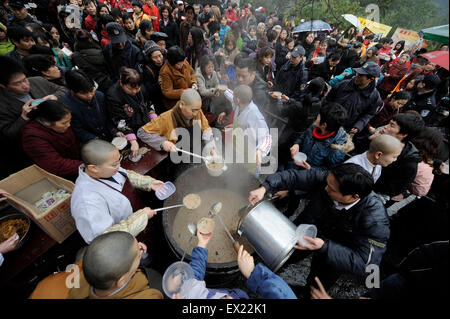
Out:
{"x": 371, "y": 118}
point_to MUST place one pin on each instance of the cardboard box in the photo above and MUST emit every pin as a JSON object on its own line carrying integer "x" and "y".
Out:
{"x": 27, "y": 187}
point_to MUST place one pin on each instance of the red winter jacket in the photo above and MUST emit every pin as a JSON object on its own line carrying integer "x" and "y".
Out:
{"x": 396, "y": 73}
{"x": 89, "y": 23}
{"x": 105, "y": 38}
{"x": 233, "y": 16}
{"x": 123, "y": 5}
{"x": 57, "y": 153}
{"x": 152, "y": 12}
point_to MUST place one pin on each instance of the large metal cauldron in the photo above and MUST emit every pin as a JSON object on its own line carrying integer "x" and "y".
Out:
{"x": 195, "y": 180}
{"x": 270, "y": 233}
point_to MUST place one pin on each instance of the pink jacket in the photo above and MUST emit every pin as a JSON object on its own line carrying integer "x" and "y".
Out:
{"x": 422, "y": 183}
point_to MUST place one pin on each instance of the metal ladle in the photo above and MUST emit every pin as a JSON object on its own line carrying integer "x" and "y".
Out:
{"x": 179, "y": 205}
{"x": 193, "y": 230}
{"x": 213, "y": 211}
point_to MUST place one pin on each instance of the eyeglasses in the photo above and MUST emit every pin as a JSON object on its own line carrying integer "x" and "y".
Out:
{"x": 117, "y": 164}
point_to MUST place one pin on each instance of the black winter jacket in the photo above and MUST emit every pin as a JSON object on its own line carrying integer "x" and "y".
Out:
{"x": 353, "y": 238}
{"x": 280, "y": 55}
{"x": 361, "y": 105}
{"x": 249, "y": 45}
{"x": 323, "y": 70}
{"x": 135, "y": 110}
{"x": 349, "y": 59}
{"x": 424, "y": 104}
{"x": 260, "y": 90}
{"x": 172, "y": 32}
{"x": 397, "y": 177}
{"x": 92, "y": 62}
{"x": 426, "y": 269}
{"x": 90, "y": 120}
{"x": 301, "y": 115}
{"x": 291, "y": 81}
{"x": 150, "y": 74}
{"x": 129, "y": 57}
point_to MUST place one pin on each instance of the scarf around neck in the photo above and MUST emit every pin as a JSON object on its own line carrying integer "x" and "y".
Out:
{"x": 317, "y": 135}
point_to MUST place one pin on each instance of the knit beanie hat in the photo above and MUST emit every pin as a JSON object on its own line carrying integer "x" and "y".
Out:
{"x": 150, "y": 47}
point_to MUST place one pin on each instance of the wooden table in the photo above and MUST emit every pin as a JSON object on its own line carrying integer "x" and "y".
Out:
{"x": 146, "y": 163}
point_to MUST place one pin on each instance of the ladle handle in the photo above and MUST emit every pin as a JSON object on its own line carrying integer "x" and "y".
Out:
{"x": 236, "y": 246}
{"x": 193, "y": 154}
{"x": 189, "y": 247}
{"x": 169, "y": 207}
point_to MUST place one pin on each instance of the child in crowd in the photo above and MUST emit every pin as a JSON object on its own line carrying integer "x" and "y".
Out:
{"x": 325, "y": 142}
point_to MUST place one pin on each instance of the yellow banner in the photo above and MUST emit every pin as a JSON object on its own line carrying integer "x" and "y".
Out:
{"x": 411, "y": 38}
{"x": 379, "y": 29}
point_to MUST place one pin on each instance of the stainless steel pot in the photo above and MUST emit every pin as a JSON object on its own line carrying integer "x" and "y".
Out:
{"x": 269, "y": 232}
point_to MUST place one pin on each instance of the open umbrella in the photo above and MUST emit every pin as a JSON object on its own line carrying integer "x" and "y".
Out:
{"x": 353, "y": 20}
{"x": 437, "y": 57}
{"x": 316, "y": 25}
{"x": 438, "y": 34}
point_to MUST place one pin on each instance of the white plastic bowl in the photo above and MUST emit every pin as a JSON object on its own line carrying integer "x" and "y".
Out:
{"x": 174, "y": 277}
{"x": 119, "y": 142}
{"x": 305, "y": 230}
{"x": 300, "y": 157}
{"x": 135, "y": 159}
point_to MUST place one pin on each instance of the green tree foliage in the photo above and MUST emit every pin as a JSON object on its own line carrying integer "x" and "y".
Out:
{"x": 409, "y": 14}
{"x": 329, "y": 10}
{"x": 416, "y": 15}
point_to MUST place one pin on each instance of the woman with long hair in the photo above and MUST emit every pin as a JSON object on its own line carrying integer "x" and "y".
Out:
{"x": 308, "y": 43}
{"x": 197, "y": 47}
{"x": 225, "y": 56}
{"x": 264, "y": 65}
{"x": 281, "y": 52}
{"x": 284, "y": 34}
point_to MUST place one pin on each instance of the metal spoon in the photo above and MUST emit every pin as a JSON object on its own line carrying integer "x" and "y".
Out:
{"x": 169, "y": 207}
{"x": 193, "y": 154}
{"x": 213, "y": 211}
{"x": 193, "y": 230}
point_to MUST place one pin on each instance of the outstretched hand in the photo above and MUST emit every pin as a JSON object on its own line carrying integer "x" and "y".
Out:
{"x": 320, "y": 293}
{"x": 203, "y": 239}
{"x": 256, "y": 195}
{"x": 245, "y": 262}
{"x": 313, "y": 244}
